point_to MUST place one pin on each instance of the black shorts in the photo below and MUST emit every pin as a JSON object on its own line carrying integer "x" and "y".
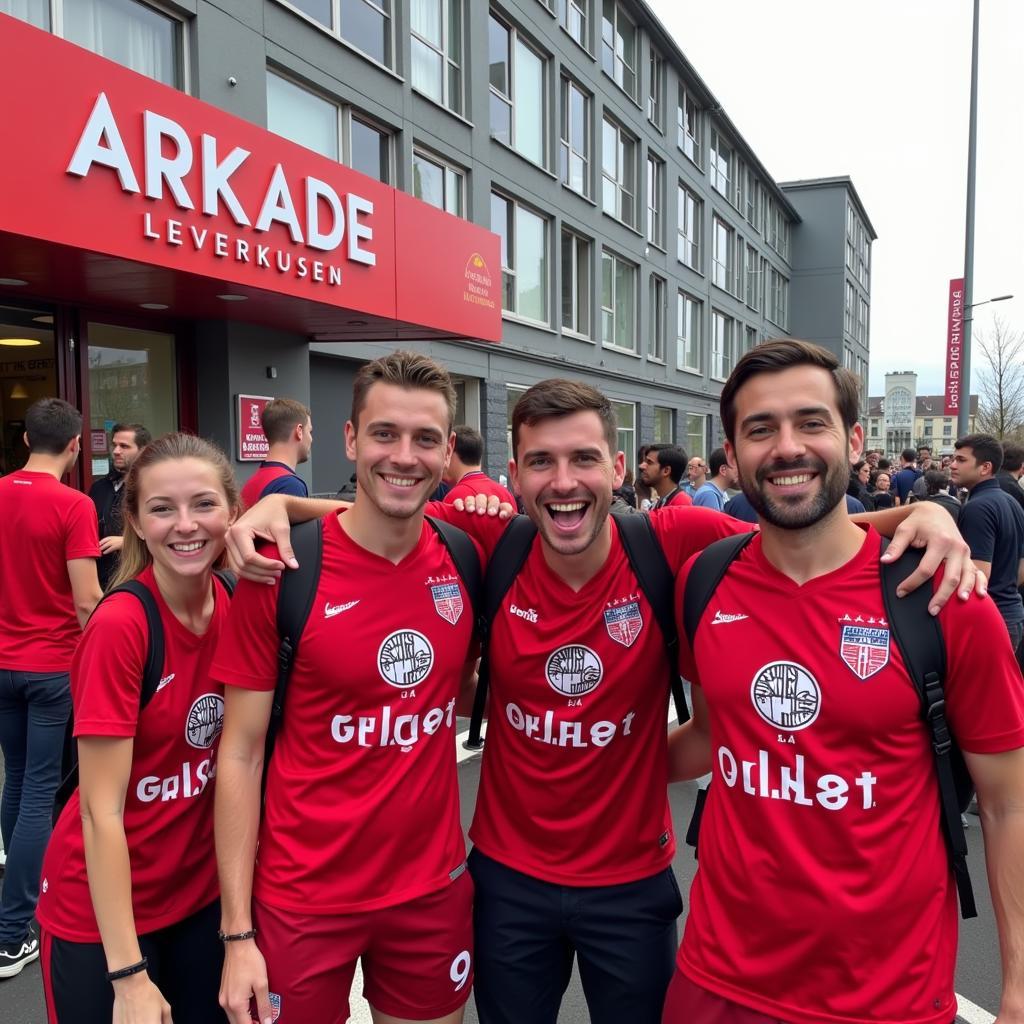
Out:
{"x": 185, "y": 961}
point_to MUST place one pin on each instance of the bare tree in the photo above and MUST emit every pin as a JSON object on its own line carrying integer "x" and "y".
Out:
{"x": 1001, "y": 381}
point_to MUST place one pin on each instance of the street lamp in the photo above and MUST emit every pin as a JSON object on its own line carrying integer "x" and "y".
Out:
{"x": 975, "y": 305}
{"x": 963, "y": 425}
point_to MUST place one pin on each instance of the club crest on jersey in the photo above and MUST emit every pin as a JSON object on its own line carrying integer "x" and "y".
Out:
{"x": 405, "y": 658}
{"x": 448, "y": 601}
{"x": 204, "y": 721}
{"x": 275, "y": 1005}
{"x": 573, "y": 670}
{"x": 624, "y": 622}
{"x": 786, "y": 695}
{"x": 864, "y": 649}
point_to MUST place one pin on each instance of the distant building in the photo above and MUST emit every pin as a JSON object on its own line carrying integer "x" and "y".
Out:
{"x": 904, "y": 419}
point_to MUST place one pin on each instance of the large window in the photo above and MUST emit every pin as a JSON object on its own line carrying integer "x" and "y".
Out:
{"x": 656, "y": 322}
{"x": 620, "y": 44}
{"x": 858, "y": 246}
{"x": 365, "y": 24}
{"x": 688, "y": 125}
{"x": 751, "y": 269}
{"x": 723, "y": 342}
{"x": 518, "y": 97}
{"x": 576, "y": 287}
{"x": 369, "y": 149}
{"x": 575, "y": 146}
{"x": 723, "y": 254}
{"x": 696, "y": 435}
{"x": 655, "y": 201}
{"x": 850, "y": 309}
{"x": 778, "y": 298}
{"x": 513, "y": 392}
{"x": 618, "y": 302}
{"x": 776, "y": 227}
{"x": 656, "y": 91}
{"x": 625, "y": 415}
{"x": 524, "y": 257}
{"x": 572, "y": 14}
{"x": 664, "y": 425}
{"x": 688, "y": 229}
{"x": 438, "y": 182}
{"x": 688, "y": 334}
{"x": 437, "y": 50}
{"x": 618, "y": 173}
{"x": 721, "y": 165}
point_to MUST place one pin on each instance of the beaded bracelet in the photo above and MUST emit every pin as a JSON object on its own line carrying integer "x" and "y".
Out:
{"x": 127, "y": 972}
{"x": 237, "y": 936}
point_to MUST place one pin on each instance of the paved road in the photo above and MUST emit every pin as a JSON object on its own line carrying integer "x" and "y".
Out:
{"x": 978, "y": 969}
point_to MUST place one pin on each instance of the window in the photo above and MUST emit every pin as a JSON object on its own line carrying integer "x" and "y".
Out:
{"x": 619, "y": 46}
{"x": 437, "y": 182}
{"x": 749, "y": 339}
{"x": 656, "y": 325}
{"x": 572, "y": 15}
{"x": 723, "y": 254}
{"x": 513, "y": 392}
{"x": 618, "y": 302}
{"x": 517, "y": 92}
{"x": 369, "y": 150}
{"x": 524, "y": 258}
{"x": 778, "y": 300}
{"x": 688, "y": 333}
{"x": 655, "y": 201}
{"x": 618, "y": 169}
{"x": 625, "y": 415}
{"x": 576, "y": 259}
{"x": 776, "y": 227}
{"x": 437, "y": 51}
{"x": 696, "y": 435}
{"x": 656, "y": 91}
{"x": 947, "y": 429}
{"x": 722, "y": 344}
{"x": 664, "y": 425}
{"x": 862, "y": 321}
{"x": 688, "y": 125}
{"x": 850, "y": 309}
{"x": 752, "y": 191}
{"x": 689, "y": 216}
{"x": 752, "y": 276}
{"x": 366, "y": 24}
{"x": 575, "y": 147}
{"x": 722, "y": 169}
{"x": 131, "y": 33}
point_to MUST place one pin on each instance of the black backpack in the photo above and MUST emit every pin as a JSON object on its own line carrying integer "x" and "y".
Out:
{"x": 151, "y": 672}
{"x": 918, "y": 634}
{"x": 298, "y": 591}
{"x": 648, "y": 563}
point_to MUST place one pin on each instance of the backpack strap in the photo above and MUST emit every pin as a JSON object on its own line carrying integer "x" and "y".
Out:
{"x": 707, "y": 571}
{"x": 464, "y": 554}
{"x": 509, "y": 556}
{"x": 918, "y": 634}
{"x": 294, "y": 603}
{"x": 651, "y": 568}
{"x": 228, "y": 580}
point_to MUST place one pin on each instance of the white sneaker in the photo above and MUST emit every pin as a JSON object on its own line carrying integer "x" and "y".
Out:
{"x": 14, "y": 958}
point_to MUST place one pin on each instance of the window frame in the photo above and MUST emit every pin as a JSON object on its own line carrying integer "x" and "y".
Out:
{"x": 447, "y": 62}
{"x": 685, "y": 99}
{"x": 655, "y": 200}
{"x": 684, "y": 193}
{"x": 722, "y": 359}
{"x": 447, "y": 167}
{"x": 658, "y": 316}
{"x": 582, "y": 9}
{"x": 629, "y": 447}
{"x": 629, "y": 146}
{"x": 612, "y": 310}
{"x": 693, "y": 338}
{"x": 723, "y": 273}
{"x": 665, "y": 436}
{"x": 510, "y": 273}
{"x": 656, "y": 89}
{"x": 694, "y": 449}
{"x": 516, "y": 38}
{"x": 580, "y": 302}
{"x": 567, "y": 85}
{"x": 612, "y": 50}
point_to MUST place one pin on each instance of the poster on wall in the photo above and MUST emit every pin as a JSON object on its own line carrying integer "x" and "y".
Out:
{"x": 252, "y": 442}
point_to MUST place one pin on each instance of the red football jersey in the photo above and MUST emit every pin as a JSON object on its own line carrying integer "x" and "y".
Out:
{"x": 479, "y": 483}
{"x": 168, "y": 811}
{"x": 362, "y": 803}
{"x": 253, "y": 488}
{"x": 45, "y": 525}
{"x": 573, "y": 783}
{"x": 678, "y": 498}
{"x": 823, "y": 892}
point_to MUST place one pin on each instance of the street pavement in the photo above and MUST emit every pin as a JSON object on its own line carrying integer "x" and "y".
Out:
{"x": 978, "y": 968}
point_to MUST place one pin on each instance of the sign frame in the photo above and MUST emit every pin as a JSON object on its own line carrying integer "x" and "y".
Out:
{"x": 252, "y": 442}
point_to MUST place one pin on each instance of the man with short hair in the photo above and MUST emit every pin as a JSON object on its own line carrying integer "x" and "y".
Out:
{"x": 465, "y": 473}
{"x": 1009, "y": 476}
{"x": 992, "y": 523}
{"x": 126, "y": 441}
{"x": 696, "y": 475}
{"x": 662, "y": 470}
{"x": 825, "y": 891}
{"x": 872, "y": 456}
{"x": 48, "y": 552}
{"x": 908, "y": 473}
{"x": 289, "y": 429}
{"x": 712, "y": 494}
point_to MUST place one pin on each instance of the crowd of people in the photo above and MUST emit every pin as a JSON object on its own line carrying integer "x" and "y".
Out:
{"x": 193, "y": 876}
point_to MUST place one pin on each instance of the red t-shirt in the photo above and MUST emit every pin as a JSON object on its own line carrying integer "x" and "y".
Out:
{"x": 43, "y": 526}
{"x": 477, "y": 482}
{"x": 824, "y": 893}
{"x": 168, "y": 810}
{"x": 679, "y": 497}
{"x": 254, "y": 487}
{"x": 362, "y": 803}
{"x": 573, "y": 783}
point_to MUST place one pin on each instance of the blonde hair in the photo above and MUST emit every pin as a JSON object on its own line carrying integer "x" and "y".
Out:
{"x": 135, "y": 556}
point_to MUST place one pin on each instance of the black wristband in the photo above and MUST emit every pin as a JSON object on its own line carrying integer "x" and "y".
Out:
{"x": 127, "y": 972}
{"x": 237, "y": 936}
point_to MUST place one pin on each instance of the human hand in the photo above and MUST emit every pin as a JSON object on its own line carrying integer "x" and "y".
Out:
{"x": 266, "y": 520}
{"x": 243, "y": 979}
{"x": 485, "y": 505}
{"x": 111, "y": 545}
{"x": 138, "y": 1001}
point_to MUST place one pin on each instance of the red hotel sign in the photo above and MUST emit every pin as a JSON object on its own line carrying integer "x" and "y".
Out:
{"x": 108, "y": 161}
{"x": 954, "y": 335}
{"x": 252, "y": 442}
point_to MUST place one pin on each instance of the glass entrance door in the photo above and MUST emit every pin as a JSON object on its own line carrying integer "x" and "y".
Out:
{"x": 28, "y": 372}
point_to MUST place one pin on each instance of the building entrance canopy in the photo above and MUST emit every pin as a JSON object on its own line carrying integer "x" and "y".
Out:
{"x": 120, "y": 191}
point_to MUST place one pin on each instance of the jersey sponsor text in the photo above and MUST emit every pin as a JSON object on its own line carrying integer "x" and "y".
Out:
{"x": 561, "y": 733}
{"x": 383, "y": 730}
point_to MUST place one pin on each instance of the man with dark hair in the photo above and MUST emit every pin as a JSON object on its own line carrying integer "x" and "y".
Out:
{"x": 662, "y": 469}
{"x": 712, "y": 494}
{"x": 48, "y": 552}
{"x": 465, "y": 473}
{"x": 289, "y": 429}
{"x": 992, "y": 523}
{"x": 937, "y": 483}
{"x": 1013, "y": 469}
{"x": 126, "y": 441}
{"x": 904, "y": 480}
{"x": 820, "y": 838}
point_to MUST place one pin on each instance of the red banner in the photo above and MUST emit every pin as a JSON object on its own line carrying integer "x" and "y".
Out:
{"x": 252, "y": 442}
{"x": 954, "y": 335}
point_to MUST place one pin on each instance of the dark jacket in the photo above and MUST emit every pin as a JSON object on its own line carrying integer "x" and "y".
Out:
{"x": 107, "y": 494}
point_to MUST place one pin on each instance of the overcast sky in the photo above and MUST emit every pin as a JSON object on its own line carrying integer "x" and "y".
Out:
{"x": 880, "y": 90}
